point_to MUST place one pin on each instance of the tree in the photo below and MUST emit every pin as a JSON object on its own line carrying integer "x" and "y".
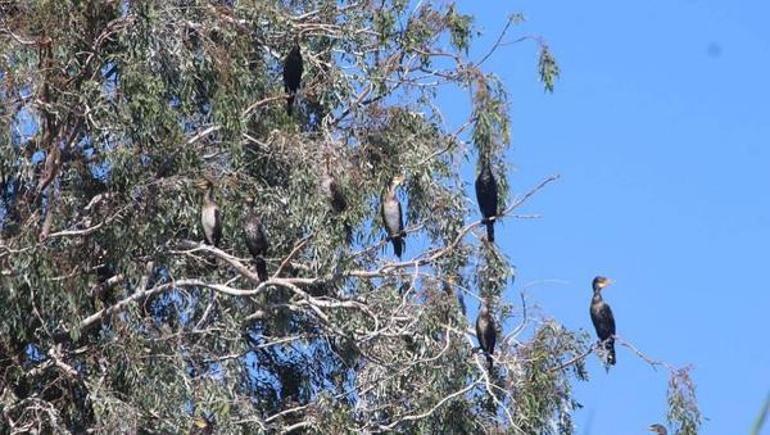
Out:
{"x": 118, "y": 319}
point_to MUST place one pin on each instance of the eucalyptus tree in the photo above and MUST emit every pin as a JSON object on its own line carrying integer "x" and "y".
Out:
{"x": 117, "y": 318}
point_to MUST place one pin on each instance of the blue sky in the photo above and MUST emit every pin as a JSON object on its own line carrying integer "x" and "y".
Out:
{"x": 659, "y": 128}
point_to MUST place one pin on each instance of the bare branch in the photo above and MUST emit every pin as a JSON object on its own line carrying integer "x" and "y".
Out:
{"x": 429, "y": 412}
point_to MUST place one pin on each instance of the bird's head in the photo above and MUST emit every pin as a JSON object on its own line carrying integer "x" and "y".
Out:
{"x": 327, "y": 183}
{"x": 397, "y": 180}
{"x": 658, "y": 429}
{"x": 485, "y": 165}
{"x": 484, "y": 303}
{"x": 600, "y": 282}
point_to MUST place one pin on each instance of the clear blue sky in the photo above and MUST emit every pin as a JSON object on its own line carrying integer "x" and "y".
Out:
{"x": 660, "y": 129}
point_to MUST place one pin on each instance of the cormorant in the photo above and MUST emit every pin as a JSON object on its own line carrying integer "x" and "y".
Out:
{"x": 486, "y": 195}
{"x": 256, "y": 240}
{"x": 449, "y": 285}
{"x": 292, "y": 74}
{"x": 658, "y": 429}
{"x": 601, "y": 316}
{"x": 392, "y": 216}
{"x": 211, "y": 218}
{"x": 334, "y": 193}
{"x": 337, "y": 200}
{"x": 486, "y": 332}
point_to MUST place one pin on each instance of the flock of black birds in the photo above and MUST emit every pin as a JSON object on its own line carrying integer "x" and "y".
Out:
{"x": 392, "y": 218}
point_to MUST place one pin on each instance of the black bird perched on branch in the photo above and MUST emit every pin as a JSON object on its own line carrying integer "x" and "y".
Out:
{"x": 486, "y": 332}
{"x": 392, "y": 216}
{"x": 486, "y": 195}
{"x": 292, "y": 74}
{"x": 601, "y": 316}
{"x": 658, "y": 429}
{"x": 256, "y": 240}
{"x": 211, "y": 217}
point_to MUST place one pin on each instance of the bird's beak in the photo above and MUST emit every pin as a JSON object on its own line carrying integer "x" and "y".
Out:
{"x": 609, "y": 282}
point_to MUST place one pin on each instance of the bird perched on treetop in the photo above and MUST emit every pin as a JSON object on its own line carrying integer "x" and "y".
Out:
{"x": 486, "y": 195}
{"x": 211, "y": 217}
{"x": 486, "y": 331}
{"x": 392, "y": 216}
{"x": 602, "y": 318}
{"x": 256, "y": 239}
{"x": 292, "y": 74}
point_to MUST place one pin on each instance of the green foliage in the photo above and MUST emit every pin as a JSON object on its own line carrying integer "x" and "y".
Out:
{"x": 459, "y": 28}
{"x": 548, "y": 68}
{"x": 683, "y": 413}
{"x": 544, "y": 403}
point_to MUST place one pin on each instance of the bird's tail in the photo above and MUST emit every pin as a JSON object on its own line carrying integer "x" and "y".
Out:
{"x": 609, "y": 345}
{"x": 489, "y": 363}
{"x": 491, "y": 231}
{"x": 289, "y": 103}
{"x": 261, "y": 268}
{"x": 398, "y": 245}
{"x": 348, "y": 233}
